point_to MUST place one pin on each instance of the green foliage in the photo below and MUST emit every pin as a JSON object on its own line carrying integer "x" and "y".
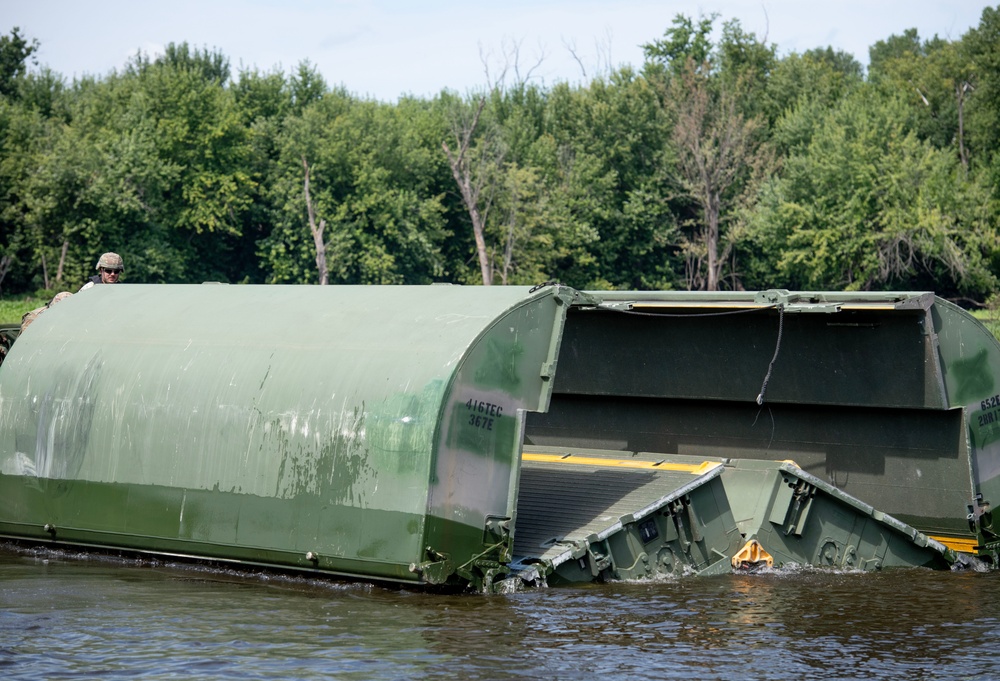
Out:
{"x": 212, "y": 67}
{"x": 193, "y": 173}
{"x": 262, "y": 96}
{"x": 369, "y": 183}
{"x": 935, "y": 80}
{"x": 715, "y": 98}
{"x": 865, "y": 204}
{"x": 685, "y": 41}
{"x": 816, "y": 79}
{"x": 979, "y": 47}
{"x": 15, "y": 51}
{"x": 607, "y": 156}
{"x": 306, "y": 86}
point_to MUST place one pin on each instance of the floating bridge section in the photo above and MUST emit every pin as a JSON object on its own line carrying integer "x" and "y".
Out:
{"x": 586, "y": 515}
{"x": 890, "y": 398}
{"x": 458, "y": 436}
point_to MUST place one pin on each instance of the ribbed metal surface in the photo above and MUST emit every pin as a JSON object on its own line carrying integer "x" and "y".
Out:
{"x": 357, "y": 425}
{"x": 560, "y": 504}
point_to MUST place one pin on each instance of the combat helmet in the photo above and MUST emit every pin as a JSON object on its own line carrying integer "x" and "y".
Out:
{"x": 111, "y": 261}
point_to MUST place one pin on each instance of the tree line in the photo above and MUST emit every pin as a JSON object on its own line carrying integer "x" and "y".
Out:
{"x": 717, "y": 164}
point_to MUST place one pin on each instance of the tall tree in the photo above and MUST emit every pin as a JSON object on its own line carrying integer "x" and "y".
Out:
{"x": 719, "y": 154}
{"x": 607, "y": 158}
{"x": 472, "y": 175}
{"x": 721, "y": 149}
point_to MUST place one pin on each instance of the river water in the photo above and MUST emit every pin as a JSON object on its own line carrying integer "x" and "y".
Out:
{"x": 73, "y": 616}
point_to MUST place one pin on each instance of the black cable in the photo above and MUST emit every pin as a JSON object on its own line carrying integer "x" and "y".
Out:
{"x": 681, "y": 314}
{"x": 777, "y": 348}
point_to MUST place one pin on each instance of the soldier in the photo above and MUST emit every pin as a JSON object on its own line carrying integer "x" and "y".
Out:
{"x": 29, "y": 317}
{"x": 109, "y": 268}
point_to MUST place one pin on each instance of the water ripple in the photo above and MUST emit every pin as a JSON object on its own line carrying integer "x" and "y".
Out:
{"x": 74, "y": 617}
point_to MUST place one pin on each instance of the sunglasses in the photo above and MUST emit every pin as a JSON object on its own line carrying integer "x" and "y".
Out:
{"x": 111, "y": 271}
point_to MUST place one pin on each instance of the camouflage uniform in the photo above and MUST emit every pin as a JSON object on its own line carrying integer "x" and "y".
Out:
{"x": 29, "y": 317}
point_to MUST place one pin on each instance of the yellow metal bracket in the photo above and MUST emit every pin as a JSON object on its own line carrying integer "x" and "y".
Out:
{"x": 751, "y": 556}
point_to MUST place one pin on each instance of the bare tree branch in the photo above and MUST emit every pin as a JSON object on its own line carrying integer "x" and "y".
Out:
{"x": 538, "y": 63}
{"x": 511, "y": 60}
{"x": 717, "y": 147}
{"x": 492, "y": 83}
{"x": 605, "y": 63}
{"x": 316, "y": 230}
{"x": 5, "y": 263}
{"x": 45, "y": 273}
{"x": 571, "y": 48}
{"x": 461, "y": 170}
{"x": 62, "y": 261}
{"x": 960, "y": 89}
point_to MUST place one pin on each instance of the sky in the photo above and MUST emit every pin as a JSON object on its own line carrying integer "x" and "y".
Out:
{"x": 384, "y": 49}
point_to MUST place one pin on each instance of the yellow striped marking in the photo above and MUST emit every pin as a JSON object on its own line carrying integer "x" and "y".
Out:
{"x": 693, "y": 469}
{"x": 963, "y": 544}
{"x": 867, "y": 306}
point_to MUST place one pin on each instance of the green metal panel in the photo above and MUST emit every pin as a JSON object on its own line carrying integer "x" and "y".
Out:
{"x": 970, "y": 360}
{"x": 341, "y": 428}
{"x": 911, "y": 463}
{"x": 702, "y": 347}
{"x": 861, "y": 392}
{"x": 801, "y": 520}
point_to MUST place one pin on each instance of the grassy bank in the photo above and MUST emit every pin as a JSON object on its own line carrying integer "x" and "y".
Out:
{"x": 12, "y": 309}
{"x": 990, "y": 319}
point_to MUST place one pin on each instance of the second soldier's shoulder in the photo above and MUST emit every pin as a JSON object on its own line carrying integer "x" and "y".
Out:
{"x": 96, "y": 279}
